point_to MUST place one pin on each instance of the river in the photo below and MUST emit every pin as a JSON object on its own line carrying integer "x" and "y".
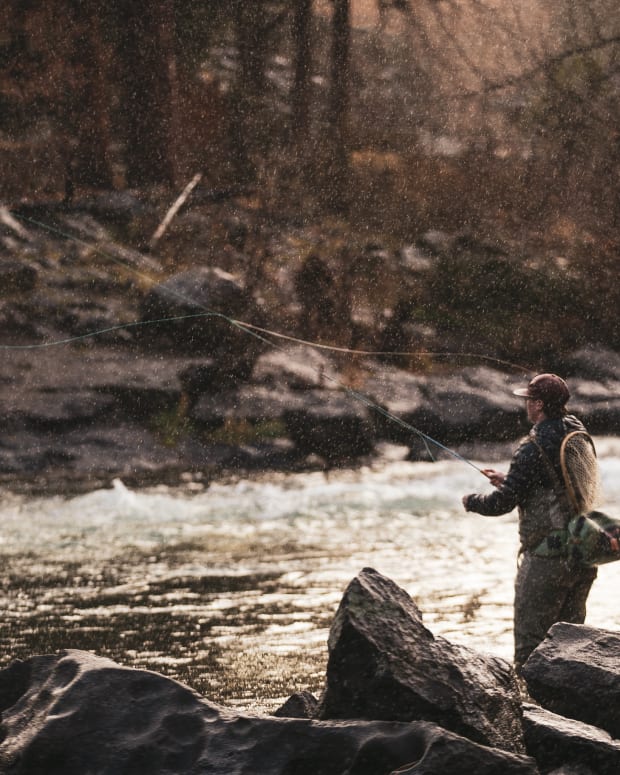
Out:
{"x": 232, "y": 589}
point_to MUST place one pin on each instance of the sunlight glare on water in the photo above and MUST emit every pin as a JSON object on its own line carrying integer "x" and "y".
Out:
{"x": 247, "y": 576}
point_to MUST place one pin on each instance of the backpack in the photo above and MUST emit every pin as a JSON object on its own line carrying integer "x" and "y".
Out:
{"x": 590, "y": 537}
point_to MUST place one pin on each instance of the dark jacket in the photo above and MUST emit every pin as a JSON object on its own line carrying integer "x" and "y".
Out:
{"x": 529, "y": 484}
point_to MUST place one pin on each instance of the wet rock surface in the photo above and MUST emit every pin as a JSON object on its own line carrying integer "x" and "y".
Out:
{"x": 145, "y": 412}
{"x": 385, "y": 664}
{"x": 575, "y": 672}
{"x": 74, "y": 712}
{"x": 553, "y": 740}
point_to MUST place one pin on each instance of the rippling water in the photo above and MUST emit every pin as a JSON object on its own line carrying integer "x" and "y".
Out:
{"x": 233, "y": 589}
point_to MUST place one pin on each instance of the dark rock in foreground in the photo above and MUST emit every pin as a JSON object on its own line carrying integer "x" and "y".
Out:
{"x": 299, "y": 705}
{"x": 76, "y": 713}
{"x": 384, "y": 664}
{"x": 554, "y": 740}
{"x": 575, "y": 672}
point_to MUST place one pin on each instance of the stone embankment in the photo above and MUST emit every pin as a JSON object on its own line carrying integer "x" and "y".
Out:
{"x": 397, "y": 700}
{"x": 115, "y": 367}
{"x": 76, "y": 417}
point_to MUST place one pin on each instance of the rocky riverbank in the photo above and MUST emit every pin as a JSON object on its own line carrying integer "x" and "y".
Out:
{"x": 397, "y": 699}
{"x": 120, "y": 364}
{"x": 75, "y": 418}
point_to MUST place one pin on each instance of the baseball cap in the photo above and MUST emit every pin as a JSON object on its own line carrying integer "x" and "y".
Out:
{"x": 546, "y": 387}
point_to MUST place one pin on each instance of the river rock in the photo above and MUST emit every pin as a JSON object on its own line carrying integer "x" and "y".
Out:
{"x": 331, "y": 424}
{"x": 16, "y": 277}
{"x": 76, "y": 713}
{"x": 299, "y": 705}
{"x": 555, "y": 741}
{"x": 597, "y": 404}
{"x": 140, "y": 384}
{"x": 51, "y": 410}
{"x": 297, "y": 367}
{"x": 593, "y": 363}
{"x": 402, "y": 394}
{"x": 479, "y": 403}
{"x": 575, "y": 672}
{"x": 244, "y": 405}
{"x": 205, "y": 301}
{"x": 213, "y": 375}
{"x": 385, "y": 664}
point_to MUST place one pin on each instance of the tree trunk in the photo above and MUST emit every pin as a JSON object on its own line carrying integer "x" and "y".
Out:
{"x": 339, "y": 103}
{"x": 303, "y": 66}
{"x": 149, "y": 82}
{"x": 252, "y": 45}
{"x": 249, "y": 19}
{"x": 91, "y": 165}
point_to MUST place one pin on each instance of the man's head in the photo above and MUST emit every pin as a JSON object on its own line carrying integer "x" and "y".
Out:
{"x": 546, "y": 393}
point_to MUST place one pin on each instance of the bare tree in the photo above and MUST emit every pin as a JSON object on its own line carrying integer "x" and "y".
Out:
{"x": 300, "y": 98}
{"x": 90, "y": 109}
{"x": 528, "y": 78}
{"x": 339, "y": 101}
{"x": 149, "y": 84}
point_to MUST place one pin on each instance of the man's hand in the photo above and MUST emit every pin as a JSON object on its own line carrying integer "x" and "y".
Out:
{"x": 496, "y": 478}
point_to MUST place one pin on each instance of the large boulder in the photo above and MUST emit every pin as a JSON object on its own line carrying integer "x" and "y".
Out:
{"x": 331, "y": 424}
{"x": 384, "y": 664}
{"x": 597, "y": 404}
{"x": 401, "y": 394}
{"x": 575, "y": 672}
{"x": 246, "y": 404}
{"x": 195, "y": 312}
{"x": 479, "y": 404}
{"x": 296, "y": 367}
{"x": 555, "y": 741}
{"x": 76, "y": 713}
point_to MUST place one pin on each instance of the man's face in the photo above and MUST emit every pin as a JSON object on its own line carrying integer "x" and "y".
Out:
{"x": 534, "y": 408}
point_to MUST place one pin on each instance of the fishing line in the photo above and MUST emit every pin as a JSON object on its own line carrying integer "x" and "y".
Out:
{"x": 99, "y": 331}
{"x": 246, "y": 328}
{"x": 260, "y": 334}
{"x": 393, "y": 353}
{"x": 379, "y": 409}
{"x": 249, "y": 328}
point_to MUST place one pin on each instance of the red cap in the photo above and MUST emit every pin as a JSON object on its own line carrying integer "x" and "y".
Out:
{"x": 549, "y": 388}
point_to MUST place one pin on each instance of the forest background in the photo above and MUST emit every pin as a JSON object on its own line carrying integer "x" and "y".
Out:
{"x": 444, "y": 172}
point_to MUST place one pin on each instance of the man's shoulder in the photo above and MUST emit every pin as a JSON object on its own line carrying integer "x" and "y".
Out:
{"x": 528, "y": 449}
{"x": 550, "y": 433}
{"x": 572, "y": 423}
{"x": 557, "y": 427}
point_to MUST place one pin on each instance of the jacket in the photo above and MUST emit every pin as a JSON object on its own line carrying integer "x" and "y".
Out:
{"x": 529, "y": 484}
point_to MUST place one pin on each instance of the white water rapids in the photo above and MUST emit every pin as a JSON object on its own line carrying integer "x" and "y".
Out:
{"x": 233, "y": 588}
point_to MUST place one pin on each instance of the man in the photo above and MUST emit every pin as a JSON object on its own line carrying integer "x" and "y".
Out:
{"x": 548, "y": 588}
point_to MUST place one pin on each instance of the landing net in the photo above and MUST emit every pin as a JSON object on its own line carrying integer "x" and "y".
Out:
{"x": 580, "y": 471}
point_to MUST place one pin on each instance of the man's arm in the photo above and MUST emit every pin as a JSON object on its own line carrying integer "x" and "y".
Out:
{"x": 511, "y": 489}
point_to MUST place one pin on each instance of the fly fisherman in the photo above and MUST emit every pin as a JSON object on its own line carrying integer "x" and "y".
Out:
{"x": 548, "y": 588}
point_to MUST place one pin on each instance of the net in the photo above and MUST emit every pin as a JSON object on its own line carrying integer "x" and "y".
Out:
{"x": 580, "y": 471}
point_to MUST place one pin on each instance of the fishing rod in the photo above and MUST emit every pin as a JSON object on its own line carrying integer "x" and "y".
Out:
{"x": 261, "y": 334}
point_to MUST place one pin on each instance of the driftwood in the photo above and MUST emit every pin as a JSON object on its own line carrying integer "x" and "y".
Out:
{"x": 169, "y": 217}
{"x": 8, "y": 219}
